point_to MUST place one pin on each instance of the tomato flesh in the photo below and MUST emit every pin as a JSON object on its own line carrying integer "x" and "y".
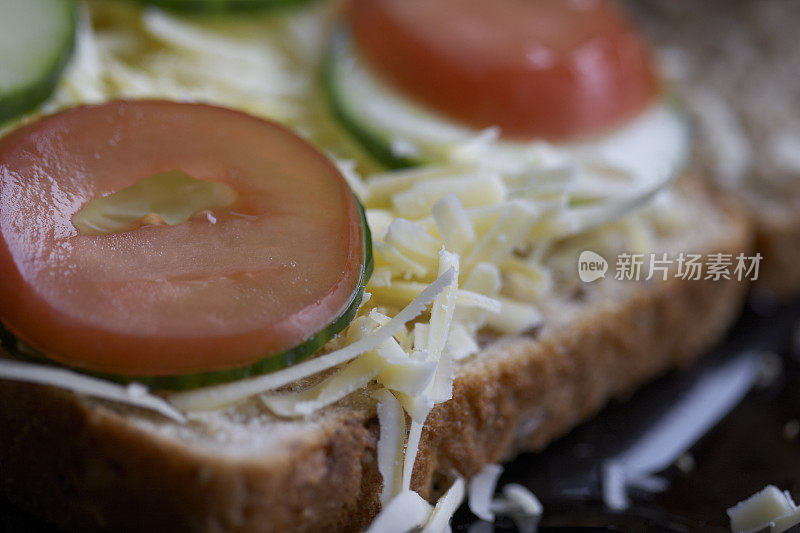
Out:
{"x": 219, "y": 291}
{"x": 553, "y": 69}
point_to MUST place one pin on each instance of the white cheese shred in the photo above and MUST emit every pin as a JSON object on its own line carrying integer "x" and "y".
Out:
{"x": 453, "y": 224}
{"x": 354, "y": 376}
{"x": 521, "y": 505}
{"x": 441, "y": 318}
{"x": 441, "y": 389}
{"x": 392, "y": 422}
{"x": 412, "y": 445}
{"x": 768, "y": 509}
{"x": 481, "y": 490}
{"x": 516, "y": 501}
{"x": 60, "y": 378}
{"x": 439, "y": 520}
{"x": 219, "y": 396}
{"x": 406, "y": 512}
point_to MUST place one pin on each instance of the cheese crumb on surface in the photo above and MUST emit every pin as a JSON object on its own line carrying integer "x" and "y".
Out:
{"x": 769, "y": 508}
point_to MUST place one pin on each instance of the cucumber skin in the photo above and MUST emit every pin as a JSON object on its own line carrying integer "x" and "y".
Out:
{"x": 223, "y": 6}
{"x": 268, "y": 364}
{"x": 375, "y": 146}
{"x": 22, "y": 100}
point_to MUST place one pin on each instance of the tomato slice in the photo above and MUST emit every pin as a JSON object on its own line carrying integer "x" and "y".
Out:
{"x": 221, "y": 290}
{"x": 553, "y": 69}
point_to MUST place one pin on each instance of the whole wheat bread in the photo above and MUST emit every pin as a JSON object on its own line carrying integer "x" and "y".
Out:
{"x": 92, "y": 465}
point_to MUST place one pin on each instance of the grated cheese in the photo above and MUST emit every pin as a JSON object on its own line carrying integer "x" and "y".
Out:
{"x": 441, "y": 318}
{"x": 398, "y": 293}
{"x": 414, "y": 436}
{"x": 473, "y": 191}
{"x": 410, "y": 376}
{"x": 453, "y": 224}
{"x": 484, "y": 279}
{"x": 516, "y": 501}
{"x": 417, "y": 407}
{"x": 405, "y": 512}
{"x": 521, "y": 505}
{"x": 219, "y": 396}
{"x": 384, "y": 185}
{"x": 420, "y": 336}
{"x": 507, "y": 234}
{"x": 392, "y": 423}
{"x": 356, "y": 375}
{"x": 412, "y": 240}
{"x": 514, "y": 317}
{"x": 60, "y": 378}
{"x": 446, "y": 507}
{"x": 768, "y": 509}
{"x": 481, "y": 490}
{"x": 441, "y": 387}
{"x": 399, "y": 264}
{"x": 461, "y": 343}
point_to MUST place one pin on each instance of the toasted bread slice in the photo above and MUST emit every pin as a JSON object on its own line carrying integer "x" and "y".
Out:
{"x": 89, "y": 465}
{"x": 736, "y": 64}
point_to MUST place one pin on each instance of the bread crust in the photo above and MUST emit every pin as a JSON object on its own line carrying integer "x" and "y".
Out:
{"x": 743, "y": 51}
{"x": 778, "y": 239}
{"x": 84, "y": 466}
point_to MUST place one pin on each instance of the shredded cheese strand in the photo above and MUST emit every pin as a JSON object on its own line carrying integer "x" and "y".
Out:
{"x": 441, "y": 387}
{"x": 134, "y": 394}
{"x": 392, "y": 423}
{"x": 406, "y": 512}
{"x": 412, "y": 447}
{"x": 218, "y": 396}
{"x": 481, "y": 489}
{"x": 445, "y": 508}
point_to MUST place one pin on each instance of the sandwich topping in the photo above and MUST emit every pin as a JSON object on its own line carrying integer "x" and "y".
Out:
{"x": 156, "y": 240}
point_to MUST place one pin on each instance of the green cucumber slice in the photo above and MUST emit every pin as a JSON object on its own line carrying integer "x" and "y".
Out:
{"x": 36, "y": 41}
{"x": 346, "y": 81}
{"x": 218, "y": 6}
{"x": 268, "y": 364}
{"x": 399, "y": 133}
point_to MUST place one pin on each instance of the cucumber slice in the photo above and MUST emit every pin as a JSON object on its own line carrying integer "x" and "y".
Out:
{"x": 36, "y": 41}
{"x": 268, "y": 364}
{"x": 355, "y": 97}
{"x": 217, "y": 6}
{"x": 399, "y": 133}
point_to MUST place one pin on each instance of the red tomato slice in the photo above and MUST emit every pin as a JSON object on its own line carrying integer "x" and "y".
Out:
{"x": 554, "y": 69}
{"x": 274, "y": 267}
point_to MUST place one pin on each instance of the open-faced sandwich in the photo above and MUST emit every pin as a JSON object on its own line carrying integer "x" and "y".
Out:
{"x": 315, "y": 268}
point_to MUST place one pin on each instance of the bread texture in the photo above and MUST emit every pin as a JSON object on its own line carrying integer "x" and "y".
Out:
{"x": 91, "y": 465}
{"x": 735, "y": 63}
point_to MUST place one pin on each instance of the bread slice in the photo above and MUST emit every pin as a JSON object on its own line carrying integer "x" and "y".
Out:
{"x": 736, "y": 63}
{"x": 87, "y": 464}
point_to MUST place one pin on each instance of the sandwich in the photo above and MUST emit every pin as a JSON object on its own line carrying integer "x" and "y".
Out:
{"x": 317, "y": 268}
